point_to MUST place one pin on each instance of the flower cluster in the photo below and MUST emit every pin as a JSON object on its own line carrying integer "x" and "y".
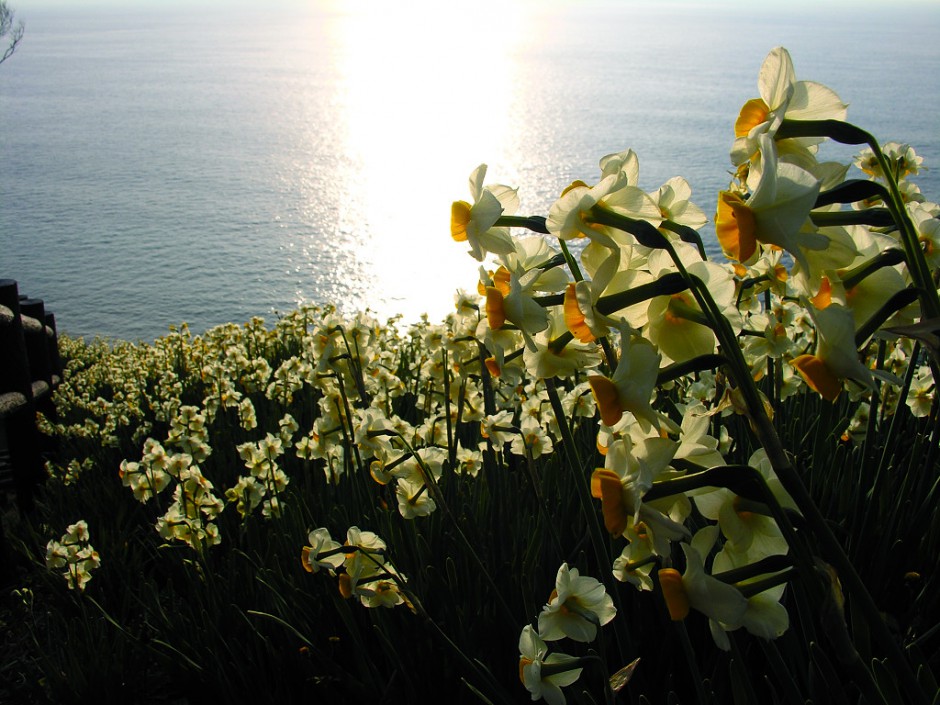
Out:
{"x": 360, "y": 566}
{"x": 576, "y": 608}
{"x": 74, "y": 556}
{"x": 806, "y": 283}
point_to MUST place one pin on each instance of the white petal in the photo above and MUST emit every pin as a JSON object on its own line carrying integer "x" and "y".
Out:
{"x": 476, "y": 182}
{"x": 776, "y": 78}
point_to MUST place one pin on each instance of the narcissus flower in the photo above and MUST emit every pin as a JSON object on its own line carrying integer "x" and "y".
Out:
{"x": 631, "y": 387}
{"x": 673, "y": 202}
{"x": 569, "y": 216}
{"x": 628, "y": 474}
{"x": 577, "y": 606}
{"x": 413, "y": 498}
{"x": 518, "y": 306}
{"x": 836, "y": 357}
{"x": 544, "y": 357}
{"x": 773, "y": 215}
{"x": 534, "y": 657}
{"x": 321, "y": 552}
{"x": 764, "y": 617}
{"x": 696, "y": 589}
{"x": 675, "y": 323}
{"x": 781, "y": 96}
{"x": 475, "y": 223}
{"x": 635, "y": 562}
{"x": 74, "y": 556}
{"x": 532, "y": 440}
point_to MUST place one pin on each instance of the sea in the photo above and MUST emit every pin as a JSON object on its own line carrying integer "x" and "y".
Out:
{"x": 208, "y": 163}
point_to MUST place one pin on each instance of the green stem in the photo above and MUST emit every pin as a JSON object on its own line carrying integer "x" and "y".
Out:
{"x": 572, "y": 262}
{"x": 451, "y": 447}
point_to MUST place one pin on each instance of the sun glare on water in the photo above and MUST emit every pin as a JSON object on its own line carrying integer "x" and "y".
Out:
{"x": 426, "y": 90}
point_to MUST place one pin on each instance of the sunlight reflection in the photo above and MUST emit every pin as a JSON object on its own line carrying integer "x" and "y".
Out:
{"x": 426, "y": 95}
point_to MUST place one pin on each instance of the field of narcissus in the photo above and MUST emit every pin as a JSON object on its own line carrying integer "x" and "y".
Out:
{"x": 619, "y": 471}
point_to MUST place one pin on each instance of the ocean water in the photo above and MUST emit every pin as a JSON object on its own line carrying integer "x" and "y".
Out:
{"x": 209, "y": 165}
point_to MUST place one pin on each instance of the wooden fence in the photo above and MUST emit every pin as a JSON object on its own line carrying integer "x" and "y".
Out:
{"x": 30, "y": 370}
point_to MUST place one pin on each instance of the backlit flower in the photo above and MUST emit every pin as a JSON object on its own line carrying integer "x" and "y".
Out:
{"x": 781, "y": 96}
{"x": 533, "y": 657}
{"x": 631, "y": 387}
{"x": 577, "y": 606}
{"x": 836, "y": 358}
{"x": 321, "y": 551}
{"x": 696, "y": 589}
{"x": 475, "y": 223}
{"x": 774, "y": 214}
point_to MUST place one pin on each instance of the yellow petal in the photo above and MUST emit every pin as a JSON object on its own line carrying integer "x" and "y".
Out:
{"x": 818, "y": 376}
{"x": 459, "y": 219}
{"x": 824, "y": 297}
{"x": 677, "y": 599}
{"x": 495, "y": 311}
{"x": 606, "y": 486}
{"x": 752, "y": 114}
{"x": 305, "y": 559}
{"x": 607, "y": 398}
{"x": 493, "y": 367}
{"x": 574, "y": 318}
{"x": 735, "y": 227}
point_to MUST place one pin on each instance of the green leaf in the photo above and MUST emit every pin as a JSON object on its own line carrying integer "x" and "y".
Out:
{"x": 875, "y": 217}
{"x": 843, "y": 132}
{"x": 739, "y": 686}
{"x": 886, "y": 683}
{"x": 852, "y": 191}
{"x": 827, "y": 685}
{"x": 886, "y": 258}
{"x": 902, "y": 298}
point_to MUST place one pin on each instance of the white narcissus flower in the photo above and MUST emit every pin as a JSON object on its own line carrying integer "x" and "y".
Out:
{"x": 635, "y": 563}
{"x": 631, "y": 387}
{"x": 764, "y": 617}
{"x": 836, "y": 357}
{"x": 921, "y": 395}
{"x": 380, "y": 593}
{"x": 628, "y": 473}
{"x": 696, "y": 589}
{"x": 774, "y": 214}
{"x": 781, "y": 96}
{"x": 568, "y": 217}
{"x": 927, "y": 225}
{"x": 672, "y": 198}
{"x": 516, "y": 305}
{"x": 578, "y": 605}
{"x": 533, "y": 657}
{"x": 543, "y": 359}
{"x": 675, "y": 323}
{"x": 695, "y": 444}
{"x": 320, "y": 542}
{"x": 475, "y": 223}
{"x": 532, "y": 439}
{"x": 73, "y": 555}
{"x": 625, "y": 163}
{"x": 413, "y": 498}
{"x": 369, "y": 559}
